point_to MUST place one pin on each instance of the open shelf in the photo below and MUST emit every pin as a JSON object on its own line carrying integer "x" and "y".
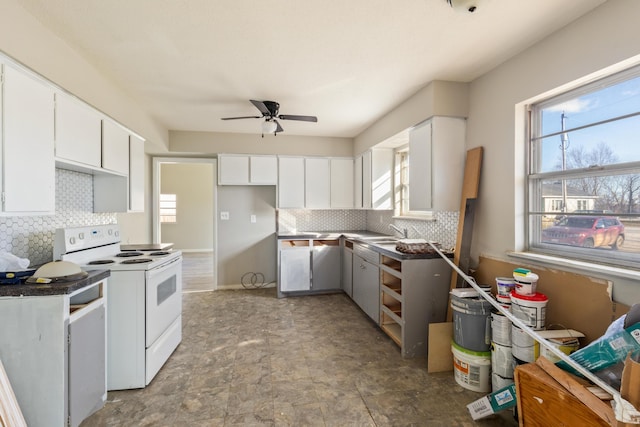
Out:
{"x": 392, "y": 282}
{"x": 392, "y": 263}
{"x": 391, "y": 328}
{"x": 392, "y": 304}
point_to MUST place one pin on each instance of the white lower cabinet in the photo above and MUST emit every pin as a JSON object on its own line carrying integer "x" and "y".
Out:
{"x": 294, "y": 272}
{"x": 347, "y": 267}
{"x": 325, "y": 262}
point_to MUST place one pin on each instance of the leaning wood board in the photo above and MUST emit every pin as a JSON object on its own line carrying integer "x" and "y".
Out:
{"x": 439, "y": 358}
{"x": 10, "y": 413}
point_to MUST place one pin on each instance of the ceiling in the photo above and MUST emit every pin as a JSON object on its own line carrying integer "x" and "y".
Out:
{"x": 191, "y": 62}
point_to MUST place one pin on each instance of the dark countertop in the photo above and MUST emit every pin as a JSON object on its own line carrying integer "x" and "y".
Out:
{"x": 364, "y": 238}
{"x": 48, "y": 289}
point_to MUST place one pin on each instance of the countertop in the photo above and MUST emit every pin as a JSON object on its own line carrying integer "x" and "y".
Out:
{"x": 146, "y": 247}
{"x": 364, "y": 238}
{"x": 48, "y": 289}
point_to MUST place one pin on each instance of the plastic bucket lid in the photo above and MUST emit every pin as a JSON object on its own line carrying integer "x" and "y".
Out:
{"x": 533, "y": 298}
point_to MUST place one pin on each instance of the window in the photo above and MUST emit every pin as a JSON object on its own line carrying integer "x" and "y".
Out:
{"x": 584, "y": 172}
{"x": 168, "y": 208}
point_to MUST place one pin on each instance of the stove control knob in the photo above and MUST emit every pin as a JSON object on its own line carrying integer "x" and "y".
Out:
{"x": 81, "y": 236}
{"x": 72, "y": 240}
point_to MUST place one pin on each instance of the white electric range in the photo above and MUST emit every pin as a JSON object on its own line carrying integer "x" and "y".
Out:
{"x": 144, "y": 300}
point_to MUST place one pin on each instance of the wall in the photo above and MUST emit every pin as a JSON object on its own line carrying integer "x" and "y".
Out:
{"x": 245, "y": 247}
{"x": 215, "y": 143}
{"x": 193, "y": 185}
{"x": 599, "y": 39}
{"x": 24, "y": 39}
{"x": 32, "y": 237}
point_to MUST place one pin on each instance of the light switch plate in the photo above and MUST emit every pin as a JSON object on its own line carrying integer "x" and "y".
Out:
{"x": 253, "y": 218}
{"x": 224, "y": 215}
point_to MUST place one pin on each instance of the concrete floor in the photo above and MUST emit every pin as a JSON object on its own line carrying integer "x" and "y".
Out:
{"x": 250, "y": 359}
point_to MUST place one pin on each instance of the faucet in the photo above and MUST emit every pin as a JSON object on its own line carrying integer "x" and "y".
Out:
{"x": 402, "y": 231}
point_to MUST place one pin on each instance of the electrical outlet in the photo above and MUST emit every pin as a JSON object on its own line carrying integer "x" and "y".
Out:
{"x": 253, "y": 219}
{"x": 224, "y": 216}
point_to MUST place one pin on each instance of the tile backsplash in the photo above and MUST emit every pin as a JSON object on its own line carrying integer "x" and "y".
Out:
{"x": 442, "y": 229}
{"x": 32, "y": 237}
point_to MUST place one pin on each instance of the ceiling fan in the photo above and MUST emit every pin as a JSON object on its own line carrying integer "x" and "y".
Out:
{"x": 269, "y": 110}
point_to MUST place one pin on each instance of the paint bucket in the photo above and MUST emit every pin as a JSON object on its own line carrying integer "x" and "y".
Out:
{"x": 472, "y": 323}
{"x": 531, "y": 309}
{"x": 504, "y": 286}
{"x": 526, "y": 285}
{"x": 500, "y": 328}
{"x": 523, "y": 347}
{"x": 502, "y": 360}
{"x": 565, "y": 345}
{"x": 504, "y": 300}
{"x": 472, "y": 369}
{"x": 498, "y": 382}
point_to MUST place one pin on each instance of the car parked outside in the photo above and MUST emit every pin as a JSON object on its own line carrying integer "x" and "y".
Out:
{"x": 586, "y": 231}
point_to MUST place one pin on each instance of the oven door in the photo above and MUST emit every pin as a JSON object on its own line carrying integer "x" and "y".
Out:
{"x": 164, "y": 298}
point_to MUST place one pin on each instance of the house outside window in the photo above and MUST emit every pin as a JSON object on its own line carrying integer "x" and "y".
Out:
{"x": 584, "y": 172}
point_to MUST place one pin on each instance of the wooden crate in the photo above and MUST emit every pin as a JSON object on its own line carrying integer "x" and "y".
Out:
{"x": 543, "y": 401}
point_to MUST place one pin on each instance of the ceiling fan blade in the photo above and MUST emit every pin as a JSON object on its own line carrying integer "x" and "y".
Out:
{"x": 279, "y": 128}
{"x": 262, "y": 107}
{"x": 243, "y": 117}
{"x": 301, "y": 118}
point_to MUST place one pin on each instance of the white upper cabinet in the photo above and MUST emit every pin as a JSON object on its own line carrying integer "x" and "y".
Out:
{"x": 28, "y": 165}
{"x": 358, "y": 187}
{"x": 78, "y": 131}
{"x": 317, "y": 183}
{"x": 420, "y": 167}
{"x": 136, "y": 174}
{"x": 366, "y": 180}
{"x": 237, "y": 169}
{"x": 377, "y": 179}
{"x": 342, "y": 183}
{"x": 263, "y": 170}
{"x": 115, "y": 147}
{"x": 291, "y": 182}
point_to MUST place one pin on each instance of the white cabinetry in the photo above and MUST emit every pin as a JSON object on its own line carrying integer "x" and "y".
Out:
{"x": 27, "y": 158}
{"x": 136, "y": 174}
{"x": 357, "y": 193}
{"x": 238, "y": 169}
{"x": 78, "y": 130}
{"x": 317, "y": 183}
{"x": 366, "y": 281}
{"x": 115, "y": 147}
{"x": 291, "y": 182}
{"x": 342, "y": 183}
{"x": 294, "y": 272}
{"x": 436, "y": 166}
{"x": 325, "y": 265}
{"x": 374, "y": 179}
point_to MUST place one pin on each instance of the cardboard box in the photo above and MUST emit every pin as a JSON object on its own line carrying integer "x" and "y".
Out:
{"x": 497, "y": 401}
{"x": 630, "y": 390}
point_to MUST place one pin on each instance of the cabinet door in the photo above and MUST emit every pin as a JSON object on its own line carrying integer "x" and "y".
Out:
{"x": 420, "y": 168}
{"x": 233, "y": 170}
{"x": 357, "y": 194}
{"x": 366, "y": 180}
{"x": 449, "y": 153}
{"x": 78, "y": 130}
{"x": 136, "y": 174}
{"x": 342, "y": 183}
{"x": 291, "y": 182}
{"x": 326, "y": 270}
{"x": 28, "y": 159}
{"x": 317, "y": 183}
{"x": 366, "y": 287}
{"x": 263, "y": 170}
{"x": 115, "y": 147}
{"x": 347, "y": 271}
{"x": 295, "y": 269}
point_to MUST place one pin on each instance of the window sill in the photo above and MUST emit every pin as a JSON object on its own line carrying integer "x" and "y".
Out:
{"x": 575, "y": 266}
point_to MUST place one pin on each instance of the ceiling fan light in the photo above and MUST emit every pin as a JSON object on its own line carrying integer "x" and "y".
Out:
{"x": 269, "y": 126}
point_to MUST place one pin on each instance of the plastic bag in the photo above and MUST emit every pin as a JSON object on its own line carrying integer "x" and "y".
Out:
{"x": 10, "y": 262}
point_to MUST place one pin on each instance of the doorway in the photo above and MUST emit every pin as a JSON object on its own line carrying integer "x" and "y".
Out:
{"x": 184, "y": 197}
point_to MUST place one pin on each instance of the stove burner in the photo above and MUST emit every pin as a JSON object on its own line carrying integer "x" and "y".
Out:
{"x": 159, "y": 253}
{"x": 101, "y": 261}
{"x": 136, "y": 261}
{"x": 129, "y": 254}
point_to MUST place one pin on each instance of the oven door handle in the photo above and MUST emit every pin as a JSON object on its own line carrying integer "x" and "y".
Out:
{"x": 164, "y": 267}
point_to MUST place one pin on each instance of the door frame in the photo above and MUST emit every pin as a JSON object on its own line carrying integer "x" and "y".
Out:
{"x": 157, "y": 163}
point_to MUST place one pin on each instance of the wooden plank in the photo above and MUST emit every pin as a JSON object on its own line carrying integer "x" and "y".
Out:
{"x": 470, "y": 185}
{"x": 542, "y": 401}
{"x": 440, "y": 358}
{"x": 568, "y": 381}
{"x": 10, "y": 413}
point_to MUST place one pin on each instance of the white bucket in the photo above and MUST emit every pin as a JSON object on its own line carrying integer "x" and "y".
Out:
{"x": 523, "y": 347}
{"x": 504, "y": 286}
{"x": 472, "y": 369}
{"x": 502, "y": 360}
{"x": 504, "y": 300}
{"x": 526, "y": 285}
{"x": 531, "y": 309}
{"x": 498, "y": 382}
{"x": 500, "y": 329}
